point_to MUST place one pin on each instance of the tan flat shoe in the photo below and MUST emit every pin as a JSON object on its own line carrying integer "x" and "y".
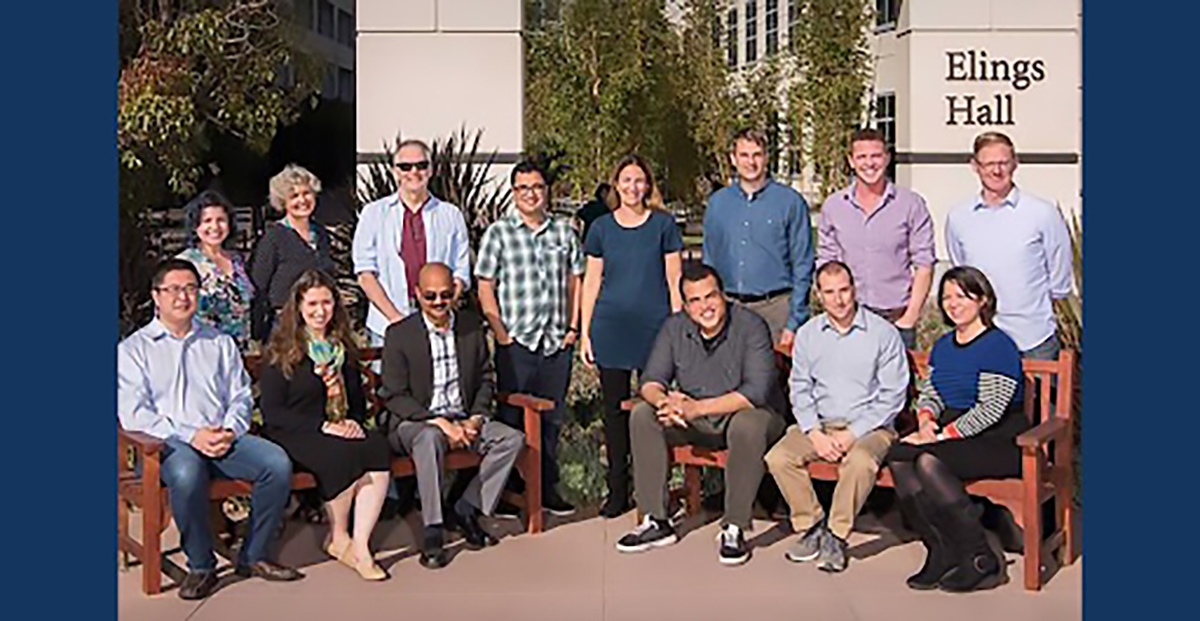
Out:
{"x": 369, "y": 570}
{"x": 345, "y": 555}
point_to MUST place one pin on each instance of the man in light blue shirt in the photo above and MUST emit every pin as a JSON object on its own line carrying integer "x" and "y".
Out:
{"x": 757, "y": 235}
{"x": 398, "y": 234}
{"x": 1020, "y": 242}
{"x": 849, "y": 380}
{"x": 184, "y": 383}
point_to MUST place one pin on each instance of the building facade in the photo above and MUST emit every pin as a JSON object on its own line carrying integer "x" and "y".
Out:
{"x": 429, "y": 67}
{"x": 328, "y": 32}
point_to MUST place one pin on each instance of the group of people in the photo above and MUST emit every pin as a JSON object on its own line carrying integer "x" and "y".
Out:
{"x": 700, "y": 337}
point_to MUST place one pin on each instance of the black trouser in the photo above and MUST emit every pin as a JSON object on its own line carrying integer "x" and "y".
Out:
{"x": 520, "y": 370}
{"x": 614, "y": 384}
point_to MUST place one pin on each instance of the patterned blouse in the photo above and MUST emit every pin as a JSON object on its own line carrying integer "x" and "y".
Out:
{"x": 224, "y": 298}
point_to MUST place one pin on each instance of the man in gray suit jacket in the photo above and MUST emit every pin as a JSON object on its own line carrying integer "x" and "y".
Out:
{"x": 438, "y": 387}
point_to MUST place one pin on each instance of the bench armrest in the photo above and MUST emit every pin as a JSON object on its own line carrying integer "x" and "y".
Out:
{"x": 144, "y": 444}
{"x": 527, "y": 401}
{"x": 1053, "y": 429}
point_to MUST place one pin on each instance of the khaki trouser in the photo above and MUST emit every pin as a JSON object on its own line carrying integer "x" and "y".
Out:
{"x": 787, "y": 462}
{"x": 775, "y": 311}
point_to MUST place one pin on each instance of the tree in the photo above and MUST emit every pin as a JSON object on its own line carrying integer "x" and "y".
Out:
{"x": 711, "y": 109}
{"x": 191, "y": 69}
{"x": 827, "y": 102}
{"x": 601, "y": 83}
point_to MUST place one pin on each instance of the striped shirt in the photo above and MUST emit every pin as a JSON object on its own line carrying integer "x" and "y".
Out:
{"x": 531, "y": 268}
{"x": 446, "y": 400}
{"x": 971, "y": 386}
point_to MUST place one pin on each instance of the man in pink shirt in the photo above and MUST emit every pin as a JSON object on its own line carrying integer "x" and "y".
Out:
{"x": 884, "y": 233}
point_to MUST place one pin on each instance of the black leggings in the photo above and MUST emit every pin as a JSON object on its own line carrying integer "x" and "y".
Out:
{"x": 614, "y": 384}
{"x": 928, "y": 475}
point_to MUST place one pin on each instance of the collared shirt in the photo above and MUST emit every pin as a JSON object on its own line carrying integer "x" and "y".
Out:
{"x": 882, "y": 248}
{"x": 531, "y": 269}
{"x": 446, "y": 399}
{"x": 170, "y": 387}
{"x": 741, "y": 359}
{"x": 859, "y": 378}
{"x": 376, "y": 248}
{"x": 761, "y": 243}
{"x": 1023, "y": 247}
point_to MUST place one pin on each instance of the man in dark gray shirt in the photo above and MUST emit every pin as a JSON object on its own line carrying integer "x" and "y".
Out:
{"x": 726, "y": 396}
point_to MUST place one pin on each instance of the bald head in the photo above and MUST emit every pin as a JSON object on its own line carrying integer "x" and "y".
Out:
{"x": 435, "y": 275}
{"x": 436, "y": 292}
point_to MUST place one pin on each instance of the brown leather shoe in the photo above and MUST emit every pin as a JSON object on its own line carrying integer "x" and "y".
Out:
{"x": 267, "y": 570}
{"x": 198, "y": 585}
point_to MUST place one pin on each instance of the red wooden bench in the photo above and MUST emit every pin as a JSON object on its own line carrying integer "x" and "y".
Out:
{"x": 1047, "y": 466}
{"x": 147, "y": 493}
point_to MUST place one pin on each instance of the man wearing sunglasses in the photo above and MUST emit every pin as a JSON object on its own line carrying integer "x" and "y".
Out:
{"x": 437, "y": 388}
{"x": 398, "y": 234}
{"x": 529, "y": 267}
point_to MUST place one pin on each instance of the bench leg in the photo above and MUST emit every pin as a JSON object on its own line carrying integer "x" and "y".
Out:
{"x": 692, "y": 483}
{"x": 533, "y": 492}
{"x": 122, "y": 533}
{"x": 1031, "y": 507}
{"x": 152, "y": 528}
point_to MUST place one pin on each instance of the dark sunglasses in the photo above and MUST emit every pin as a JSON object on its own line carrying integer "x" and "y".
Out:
{"x": 407, "y": 166}
{"x": 432, "y": 296}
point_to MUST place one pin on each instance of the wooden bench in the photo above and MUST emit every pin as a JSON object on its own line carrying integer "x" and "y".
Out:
{"x": 1047, "y": 452}
{"x": 147, "y": 493}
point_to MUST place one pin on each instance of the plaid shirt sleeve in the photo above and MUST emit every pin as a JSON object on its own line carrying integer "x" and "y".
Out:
{"x": 487, "y": 264}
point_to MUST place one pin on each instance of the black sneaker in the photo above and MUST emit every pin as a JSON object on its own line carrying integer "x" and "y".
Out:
{"x": 554, "y": 503}
{"x": 650, "y": 534}
{"x": 733, "y": 546}
{"x": 506, "y": 511}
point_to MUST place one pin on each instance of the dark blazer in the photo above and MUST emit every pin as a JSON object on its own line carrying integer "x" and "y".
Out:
{"x": 408, "y": 368}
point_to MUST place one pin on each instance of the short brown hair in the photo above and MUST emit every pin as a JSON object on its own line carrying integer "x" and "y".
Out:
{"x": 990, "y": 138}
{"x": 832, "y": 267}
{"x": 867, "y": 134}
{"x": 288, "y": 343}
{"x": 976, "y": 286}
{"x": 750, "y": 134}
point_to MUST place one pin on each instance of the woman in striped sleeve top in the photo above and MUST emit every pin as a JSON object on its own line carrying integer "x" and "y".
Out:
{"x": 970, "y": 413}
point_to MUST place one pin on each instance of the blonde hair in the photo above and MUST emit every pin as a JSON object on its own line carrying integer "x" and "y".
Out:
{"x": 653, "y": 198}
{"x": 987, "y": 139}
{"x": 288, "y": 179}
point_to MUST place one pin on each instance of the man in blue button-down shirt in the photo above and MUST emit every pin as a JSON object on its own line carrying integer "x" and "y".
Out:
{"x": 184, "y": 383}
{"x": 757, "y": 236}
{"x": 1020, "y": 242}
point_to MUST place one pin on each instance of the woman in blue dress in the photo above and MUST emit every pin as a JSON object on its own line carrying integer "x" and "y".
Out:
{"x": 630, "y": 287}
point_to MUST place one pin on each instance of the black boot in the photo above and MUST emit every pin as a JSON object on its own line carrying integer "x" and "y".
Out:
{"x": 976, "y": 566}
{"x": 938, "y": 560}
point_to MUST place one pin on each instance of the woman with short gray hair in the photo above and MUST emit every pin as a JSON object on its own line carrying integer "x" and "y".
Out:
{"x": 289, "y": 246}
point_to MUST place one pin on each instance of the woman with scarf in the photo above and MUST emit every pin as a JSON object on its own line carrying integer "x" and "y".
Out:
{"x": 313, "y": 406}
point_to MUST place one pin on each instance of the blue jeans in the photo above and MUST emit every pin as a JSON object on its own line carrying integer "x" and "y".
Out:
{"x": 1046, "y": 350}
{"x": 186, "y": 473}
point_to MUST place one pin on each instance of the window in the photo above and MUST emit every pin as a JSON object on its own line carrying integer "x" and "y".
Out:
{"x": 345, "y": 29}
{"x": 731, "y": 37}
{"x": 345, "y": 85}
{"x": 887, "y": 12}
{"x": 772, "y": 27}
{"x": 304, "y": 14}
{"x": 329, "y": 83}
{"x": 325, "y": 24}
{"x": 884, "y": 114}
{"x": 793, "y": 24}
{"x": 752, "y": 31}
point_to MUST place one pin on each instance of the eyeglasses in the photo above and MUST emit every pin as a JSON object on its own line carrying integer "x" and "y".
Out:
{"x": 536, "y": 188}
{"x": 433, "y": 296}
{"x": 407, "y": 166}
{"x": 175, "y": 290}
{"x": 998, "y": 165}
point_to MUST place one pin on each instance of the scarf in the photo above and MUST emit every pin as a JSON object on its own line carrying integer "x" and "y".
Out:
{"x": 327, "y": 358}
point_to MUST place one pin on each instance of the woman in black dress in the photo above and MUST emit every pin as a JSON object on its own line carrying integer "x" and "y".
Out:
{"x": 314, "y": 407}
{"x": 970, "y": 413}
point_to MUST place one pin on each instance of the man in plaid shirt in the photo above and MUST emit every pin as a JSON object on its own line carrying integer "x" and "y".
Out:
{"x": 529, "y": 269}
